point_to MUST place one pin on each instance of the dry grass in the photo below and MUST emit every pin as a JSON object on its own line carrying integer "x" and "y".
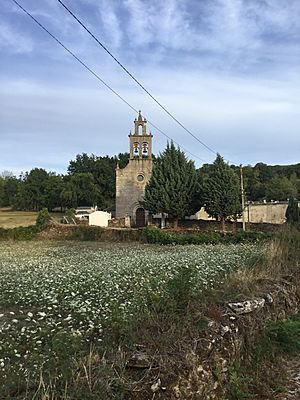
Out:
{"x": 251, "y": 282}
{"x": 13, "y": 219}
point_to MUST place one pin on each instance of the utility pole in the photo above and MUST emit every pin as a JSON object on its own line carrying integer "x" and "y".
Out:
{"x": 243, "y": 197}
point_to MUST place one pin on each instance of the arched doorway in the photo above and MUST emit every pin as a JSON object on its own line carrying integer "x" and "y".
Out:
{"x": 140, "y": 217}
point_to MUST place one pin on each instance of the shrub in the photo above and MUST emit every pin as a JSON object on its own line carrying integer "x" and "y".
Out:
{"x": 237, "y": 384}
{"x": 70, "y": 212}
{"x": 155, "y": 235}
{"x": 43, "y": 219}
{"x": 285, "y": 335}
{"x": 19, "y": 233}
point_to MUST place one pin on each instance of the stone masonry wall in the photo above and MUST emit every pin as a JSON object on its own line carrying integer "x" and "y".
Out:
{"x": 130, "y": 191}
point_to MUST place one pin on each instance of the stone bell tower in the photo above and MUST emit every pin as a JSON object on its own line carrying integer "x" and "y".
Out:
{"x": 131, "y": 180}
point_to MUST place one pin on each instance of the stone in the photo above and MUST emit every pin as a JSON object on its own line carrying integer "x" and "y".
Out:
{"x": 139, "y": 360}
{"x": 156, "y": 386}
{"x": 247, "y": 306}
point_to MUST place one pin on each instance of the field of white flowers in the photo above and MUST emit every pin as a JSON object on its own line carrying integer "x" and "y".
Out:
{"x": 58, "y": 298}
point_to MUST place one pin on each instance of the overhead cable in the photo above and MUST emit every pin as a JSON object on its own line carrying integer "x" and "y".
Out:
{"x": 99, "y": 78}
{"x": 135, "y": 79}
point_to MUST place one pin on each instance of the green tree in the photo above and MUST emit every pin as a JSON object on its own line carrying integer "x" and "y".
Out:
{"x": 103, "y": 171}
{"x": 68, "y": 195}
{"x": 173, "y": 185}
{"x": 84, "y": 189}
{"x": 9, "y": 187}
{"x": 221, "y": 190}
{"x": 1, "y": 191}
{"x": 292, "y": 213}
{"x": 280, "y": 188}
{"x": 36, "y": 188}
{"x": 54, "y": 188}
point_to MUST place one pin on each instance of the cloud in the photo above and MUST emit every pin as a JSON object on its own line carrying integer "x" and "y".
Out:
{"x": 110, "y": 23}
{"x": 13, "y": 41}
{"x": 228, "y": 69}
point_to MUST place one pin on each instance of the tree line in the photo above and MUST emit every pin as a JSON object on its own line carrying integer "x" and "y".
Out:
{"x": 91, "y": 180}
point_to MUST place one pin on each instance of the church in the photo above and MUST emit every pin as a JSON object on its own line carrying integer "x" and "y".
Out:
{"x": 131, "y": 180}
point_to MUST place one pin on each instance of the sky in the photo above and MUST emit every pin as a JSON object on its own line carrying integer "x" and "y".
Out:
{"x": 228, "y": 70}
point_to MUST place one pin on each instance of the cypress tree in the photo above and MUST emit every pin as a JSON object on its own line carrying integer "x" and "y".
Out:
{"x": 292, "y": 213}
{"x": 173, "y": 185}
{"x": 222, "y": 192}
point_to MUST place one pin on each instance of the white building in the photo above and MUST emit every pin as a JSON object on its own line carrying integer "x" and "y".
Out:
{"x": 99, "y": 218}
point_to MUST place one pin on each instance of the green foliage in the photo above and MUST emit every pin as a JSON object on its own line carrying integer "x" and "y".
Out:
{"x": 43, "y": 219}
{"x": 293, "y": 212}
{"x": 38, "y": 189}
{"x": 9, "y": 185}
{"x": 103, "y": 171}
{"x": 222, "y": 191}
{"x": 70, "y": 212}
{"x": 285, "y": 335}
{"x": 180, "y": 289}
{"x": 237, "y": 384}
{"x": 158, "y": 236}
{"x": 277, "y": 182}
{"x": 20, "y": 233}
{"x": 280, "y": 188}
{"x": 173, "y": 185}
{"x": 84, "y": 189}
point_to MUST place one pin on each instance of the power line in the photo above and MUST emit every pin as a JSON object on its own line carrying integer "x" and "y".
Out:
{"x": 135, "y": 79}
{"x": 98, "y": 77}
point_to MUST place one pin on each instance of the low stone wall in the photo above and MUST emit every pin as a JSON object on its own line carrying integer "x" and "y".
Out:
{"x": 212, "y": 225}
{"x": 120, "y": 222}
{"x": 235, "y": 326}
{"x": 271, "y": 213}
{"x": 200, "y": 368}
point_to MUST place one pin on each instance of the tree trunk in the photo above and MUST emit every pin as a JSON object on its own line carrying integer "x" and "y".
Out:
{"x": 223, "y": 224}
{"x": 163, "y": 221}
{"x": 175, "y": 224}
{"x": 234, "y": 226}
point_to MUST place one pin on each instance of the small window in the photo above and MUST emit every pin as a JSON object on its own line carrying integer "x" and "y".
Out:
{"x": 140, "y": 178}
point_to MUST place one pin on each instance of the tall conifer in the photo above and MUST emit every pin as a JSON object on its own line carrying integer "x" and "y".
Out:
{"x": 292, "y": 213}
{"x": 222, "y": 192}
{"x": 173, "y": 185}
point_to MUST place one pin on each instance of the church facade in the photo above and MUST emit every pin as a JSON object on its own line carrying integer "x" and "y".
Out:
{"x": 131, "y": 180}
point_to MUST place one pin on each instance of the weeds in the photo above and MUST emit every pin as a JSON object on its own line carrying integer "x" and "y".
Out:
{"x": 237, "y": 384}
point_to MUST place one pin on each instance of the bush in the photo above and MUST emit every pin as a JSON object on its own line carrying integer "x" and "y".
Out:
{"x": 43, "y": 219}
{"x": 156, "y": 235}
{"x": 285, "y": 335}
{"x": 20, "y": 233}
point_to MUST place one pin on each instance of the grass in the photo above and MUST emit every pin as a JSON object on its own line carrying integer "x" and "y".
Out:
{"x": 13, "y": 219}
